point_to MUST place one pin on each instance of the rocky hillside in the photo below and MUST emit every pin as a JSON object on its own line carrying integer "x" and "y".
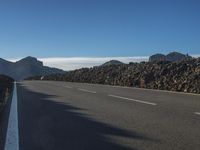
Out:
{"x": 6, "y": 84}
{"x": 164, "y": 75}
{"x": 173, "y": 56}
{"x": 26, "y": 67}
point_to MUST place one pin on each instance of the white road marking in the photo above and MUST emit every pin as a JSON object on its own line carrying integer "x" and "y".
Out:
{"x": 136, "y": 88}
{"x": 197, "y": 113}
{"x": 69, "y": 87}
{"x": 12, "y": 136}
{"x": 135, "y": 100}
{"x": 84, "y": 90}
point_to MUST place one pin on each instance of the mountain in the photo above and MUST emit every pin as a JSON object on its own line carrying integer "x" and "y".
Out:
{"x": 112, "y": 62}
{"x": 172, "y": 57}
{"x": 26, "y": 67}
{"x": 157, "y": 57}
{"x": 175, "y": 56}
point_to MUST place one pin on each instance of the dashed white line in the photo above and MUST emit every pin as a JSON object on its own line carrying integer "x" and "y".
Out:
{"x": 12, "y": 136}
{"x": 197, "y": 113}
{"x": 136, "y": 88}
{"x": 69, "y": 87}
{"x": 135, "y": 100}
{"x": 84, "y": 90}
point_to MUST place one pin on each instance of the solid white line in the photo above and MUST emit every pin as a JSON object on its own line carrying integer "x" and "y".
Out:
{"x": 69, "y": 87}
{"x": 197, "y": 113}
{"x": 130, "y": 99}
{"x": 12, "y": 136}
{"x": 84, "y": 90}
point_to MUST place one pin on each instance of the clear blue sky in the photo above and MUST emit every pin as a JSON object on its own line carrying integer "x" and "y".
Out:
{"x": 54, "y": 28}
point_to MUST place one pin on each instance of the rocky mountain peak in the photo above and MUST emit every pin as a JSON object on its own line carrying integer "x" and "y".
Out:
{"x": 30, "y": 60}
{"x": 112, "y": 62}
{"x": 172, "y": 57}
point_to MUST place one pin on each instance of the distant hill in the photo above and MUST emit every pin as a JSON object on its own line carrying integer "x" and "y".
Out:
{"x": 157, "y": 57}
{"x": 112, "y": 62}
{"x": 26, "y": 67}
{"x": 172, "y": 57}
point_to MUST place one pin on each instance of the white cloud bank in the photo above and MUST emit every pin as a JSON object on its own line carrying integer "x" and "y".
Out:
{"x": 71, "y": 63}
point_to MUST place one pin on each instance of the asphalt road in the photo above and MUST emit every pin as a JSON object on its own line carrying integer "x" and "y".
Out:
{"x": 75, "y": 116}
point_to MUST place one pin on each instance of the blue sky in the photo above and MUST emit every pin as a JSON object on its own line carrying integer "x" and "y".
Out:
{"x": 98, "y": 28}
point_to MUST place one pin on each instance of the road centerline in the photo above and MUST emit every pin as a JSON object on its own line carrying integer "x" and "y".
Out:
{"x": 197, "y": 113}
{"x": 84, "y": 90}
{"x": 69, "y": 87}
{"x": 130, "y": 99}
{"x": 12, "y": 136}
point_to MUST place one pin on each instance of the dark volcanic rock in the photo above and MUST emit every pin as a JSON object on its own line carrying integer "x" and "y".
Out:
{"x": 26, "y": 67}
{"x": 6, "y": 84}
{"x": 164, "y": 75}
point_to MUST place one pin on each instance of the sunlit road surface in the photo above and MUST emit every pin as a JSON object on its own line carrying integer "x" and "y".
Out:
{"x": 77, "y": 116}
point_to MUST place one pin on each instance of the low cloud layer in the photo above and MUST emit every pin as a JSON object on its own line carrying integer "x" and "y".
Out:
{"x": 71, "y": 63}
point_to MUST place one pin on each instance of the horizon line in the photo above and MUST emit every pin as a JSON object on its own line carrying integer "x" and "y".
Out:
{"x": 72, "y": 63}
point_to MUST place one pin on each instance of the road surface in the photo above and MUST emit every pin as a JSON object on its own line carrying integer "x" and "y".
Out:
{"x": 76, "y": 116}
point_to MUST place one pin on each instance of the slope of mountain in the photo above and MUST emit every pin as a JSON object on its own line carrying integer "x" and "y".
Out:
{"x": 26, "y": 67}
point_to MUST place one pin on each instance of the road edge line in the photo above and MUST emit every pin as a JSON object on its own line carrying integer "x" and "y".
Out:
{"x": 197, "y": 113}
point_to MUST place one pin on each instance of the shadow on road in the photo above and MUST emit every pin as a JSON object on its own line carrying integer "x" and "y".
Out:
{"x": 47, "y": 124}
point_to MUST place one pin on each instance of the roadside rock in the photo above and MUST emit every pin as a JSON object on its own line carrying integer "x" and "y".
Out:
{"x": 181, "y": 75}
